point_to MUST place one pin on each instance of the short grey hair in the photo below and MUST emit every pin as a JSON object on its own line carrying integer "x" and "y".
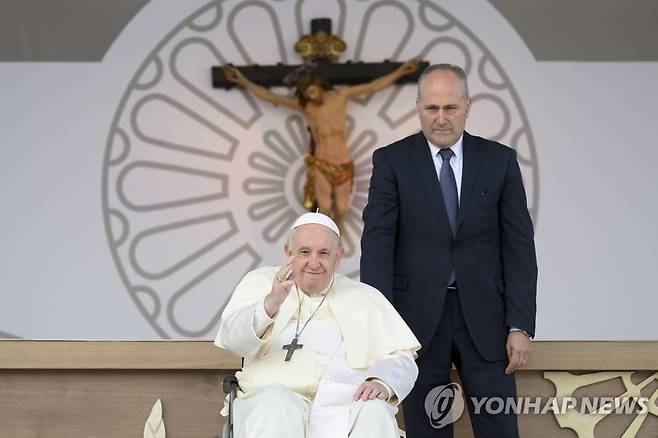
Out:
{"x": 458, "y": 71}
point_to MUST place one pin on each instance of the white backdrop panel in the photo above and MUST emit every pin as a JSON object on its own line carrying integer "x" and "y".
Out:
{"x": 135, "y": 195}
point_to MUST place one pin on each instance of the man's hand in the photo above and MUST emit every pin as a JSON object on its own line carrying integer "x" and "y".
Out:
{"x": 234, "y": 75}
{"x": 281, "y": 286}
{"x": 518, "y": 348}
{"x": 370, "y": 390}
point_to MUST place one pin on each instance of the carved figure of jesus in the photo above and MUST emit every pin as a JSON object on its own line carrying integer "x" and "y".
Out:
{"x": 331, "y": 169}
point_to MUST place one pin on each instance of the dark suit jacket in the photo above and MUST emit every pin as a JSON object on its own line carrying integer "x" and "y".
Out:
{"x": 407, "y": 246}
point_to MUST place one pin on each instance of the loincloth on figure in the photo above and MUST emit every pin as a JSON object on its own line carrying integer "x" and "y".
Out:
{"x": 336, "y": 175}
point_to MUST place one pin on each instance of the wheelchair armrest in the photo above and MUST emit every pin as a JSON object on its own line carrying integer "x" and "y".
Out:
{"x": 230, "y": 384}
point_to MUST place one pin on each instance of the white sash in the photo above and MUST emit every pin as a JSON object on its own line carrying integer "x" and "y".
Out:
{"x": 329, "y": 416}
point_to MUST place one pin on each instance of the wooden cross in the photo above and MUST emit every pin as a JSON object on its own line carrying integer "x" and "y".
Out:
{"x": 294, "y": 345}
{"x": 348, "y": 73}
{"x": 329, "y": 162}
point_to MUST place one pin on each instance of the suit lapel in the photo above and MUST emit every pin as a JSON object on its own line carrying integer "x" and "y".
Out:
{"x": 422, "y": 160}
{"x": 470, "y": 168}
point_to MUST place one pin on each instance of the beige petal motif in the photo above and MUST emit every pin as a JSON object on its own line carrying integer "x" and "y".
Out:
{"x": 154, "y": 427}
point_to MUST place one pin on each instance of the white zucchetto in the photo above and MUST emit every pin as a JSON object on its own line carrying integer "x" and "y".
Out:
{"x": 316, "y": 218}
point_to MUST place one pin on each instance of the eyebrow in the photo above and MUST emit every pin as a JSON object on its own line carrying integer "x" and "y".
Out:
{"x": 308, "y": 248}
{"x": 447, "y": 105}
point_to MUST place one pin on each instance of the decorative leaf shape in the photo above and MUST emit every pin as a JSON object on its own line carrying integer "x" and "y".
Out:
{"x": 155, "y": 427}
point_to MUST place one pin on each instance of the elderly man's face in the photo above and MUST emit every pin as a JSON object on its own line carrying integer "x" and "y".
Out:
{"x": 317, "y": 254}
{"x": 442, "y": 108}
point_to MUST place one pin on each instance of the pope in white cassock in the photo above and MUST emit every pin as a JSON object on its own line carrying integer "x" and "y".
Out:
{"x": 324, "y": 355}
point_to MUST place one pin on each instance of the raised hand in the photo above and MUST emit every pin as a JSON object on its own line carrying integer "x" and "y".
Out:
{"x": 281, "y": 286}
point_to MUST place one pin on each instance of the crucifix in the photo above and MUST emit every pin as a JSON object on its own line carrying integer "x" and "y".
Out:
{"x": 330, "y": 168}
{"x": 294, "y": 345}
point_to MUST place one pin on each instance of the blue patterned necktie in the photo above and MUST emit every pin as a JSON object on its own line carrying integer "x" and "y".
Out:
{"x": 449, "y": 190}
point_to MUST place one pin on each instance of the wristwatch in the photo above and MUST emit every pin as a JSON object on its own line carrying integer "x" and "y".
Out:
{"x": 514, "y": 329}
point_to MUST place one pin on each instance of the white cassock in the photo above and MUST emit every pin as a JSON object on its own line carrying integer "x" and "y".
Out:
{"x": 355, "y": 335}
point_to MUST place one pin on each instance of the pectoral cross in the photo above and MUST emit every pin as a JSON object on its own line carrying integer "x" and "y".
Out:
{"x": 294, "y": 345}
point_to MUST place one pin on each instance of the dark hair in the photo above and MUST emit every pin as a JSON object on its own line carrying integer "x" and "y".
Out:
{"x": 305, "y": 80}
{"x": 458, "y": 71}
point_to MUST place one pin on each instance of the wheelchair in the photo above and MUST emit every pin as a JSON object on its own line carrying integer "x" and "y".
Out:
{"x": 230, "y": 386}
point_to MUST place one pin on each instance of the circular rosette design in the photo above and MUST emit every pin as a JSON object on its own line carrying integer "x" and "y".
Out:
{"x": 278, "y": 188}
{"x": 201, "y": 185}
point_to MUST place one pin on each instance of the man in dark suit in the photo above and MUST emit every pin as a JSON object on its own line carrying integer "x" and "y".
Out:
{"x": 448, "y": 240}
